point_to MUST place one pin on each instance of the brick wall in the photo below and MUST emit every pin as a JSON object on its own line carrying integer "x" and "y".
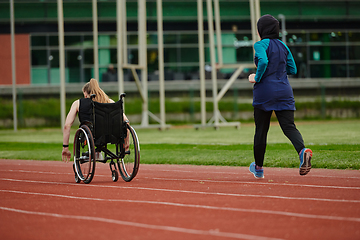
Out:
{"x": 22, "y": 58}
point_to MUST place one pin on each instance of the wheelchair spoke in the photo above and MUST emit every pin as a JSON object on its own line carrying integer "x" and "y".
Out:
{"x": 124, "y": 168}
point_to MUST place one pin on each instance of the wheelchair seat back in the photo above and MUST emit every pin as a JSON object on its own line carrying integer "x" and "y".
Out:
{"x": 108, "y": 123}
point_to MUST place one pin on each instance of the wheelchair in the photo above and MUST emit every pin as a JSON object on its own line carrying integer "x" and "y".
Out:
{"x": 92, "y": 138}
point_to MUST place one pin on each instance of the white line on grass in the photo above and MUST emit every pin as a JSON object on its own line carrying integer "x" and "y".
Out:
{"x": 187, "y": 191}
{"x": 210, "y": 232}
{"x": 260, "y": 211}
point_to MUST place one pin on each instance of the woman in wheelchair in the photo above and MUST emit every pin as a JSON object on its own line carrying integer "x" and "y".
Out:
{"x": 84, "y": 108}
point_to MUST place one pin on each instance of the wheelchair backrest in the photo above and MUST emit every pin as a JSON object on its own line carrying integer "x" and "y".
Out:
{"x": 108, "y": 122}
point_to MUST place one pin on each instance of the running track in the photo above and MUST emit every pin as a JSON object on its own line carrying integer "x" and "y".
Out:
{"x": 40, "y": 200}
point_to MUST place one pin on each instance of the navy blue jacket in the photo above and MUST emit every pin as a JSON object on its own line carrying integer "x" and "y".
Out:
{"x": 272, "y": 90}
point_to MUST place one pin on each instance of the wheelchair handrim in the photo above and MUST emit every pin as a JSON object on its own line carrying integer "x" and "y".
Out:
{"x": 75, "y": 159}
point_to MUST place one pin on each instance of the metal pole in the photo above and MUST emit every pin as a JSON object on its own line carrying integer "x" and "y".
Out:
{"x": 201, "y": 61}
{"x": 218, "y": 31}
{"x": 257, "y": 16}
{"x": 119, "y": 32}
{"x": 283, "y": 28}
{"x": 13, "y": 65}
{"x": 212, "y": 57}
{"x": 95, "y": 39}
{"x": 143, "y": 59}
{"x": 124, "y": 31}
{"x": 61, "y": 60}
{"x": 161, "y": 62}
{"x": 253, "y": 21}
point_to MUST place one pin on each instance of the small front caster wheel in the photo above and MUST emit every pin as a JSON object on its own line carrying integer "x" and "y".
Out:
{"x": 114, "y": 175}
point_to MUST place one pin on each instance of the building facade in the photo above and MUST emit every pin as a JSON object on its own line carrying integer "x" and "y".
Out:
{"x": 324, "y": 37}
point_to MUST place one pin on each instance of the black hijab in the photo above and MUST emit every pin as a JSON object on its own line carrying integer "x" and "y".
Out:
{"x": 268, "y": 27}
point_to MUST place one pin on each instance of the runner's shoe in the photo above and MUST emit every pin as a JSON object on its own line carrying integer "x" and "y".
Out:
{"x": 257, "y": 173}
{"x": 305, "y": 161}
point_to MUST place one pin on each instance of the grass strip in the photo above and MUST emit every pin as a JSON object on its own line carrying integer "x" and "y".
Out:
{"x": 333, "y": 156}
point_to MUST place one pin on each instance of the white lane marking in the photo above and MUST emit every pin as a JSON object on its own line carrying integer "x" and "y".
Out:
{"x": 207, "y": 180}
{"x": 291, "y": 214}
{"x": 37, "y": 172}
{"x": 211, "y": 232}
{"x": 52, "y": 173}
{"x": 189, "y": 192}
{"x": 237, "y": 173}
{"x": 257, "y": 183}
{"x": 217, "y": 172}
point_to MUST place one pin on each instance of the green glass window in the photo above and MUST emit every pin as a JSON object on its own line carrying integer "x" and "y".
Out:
{"x": 354, "y": 36}
{"x": 189, "y": 38}
{"x": 72, "y": 40}
{"x": 38, "y": 41}
{"x": 244, "y": 54}
{"x": 53, "y": 41}
{"x": 89, "y": 56}
{"x": 38, "y": 57}
{"x": 354, "y": 70}
{"x": 354, "y": 52}
{"x": 170, "y": 38}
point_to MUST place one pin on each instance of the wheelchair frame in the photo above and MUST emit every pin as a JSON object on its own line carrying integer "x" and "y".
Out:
{"x": 90, "y": 141}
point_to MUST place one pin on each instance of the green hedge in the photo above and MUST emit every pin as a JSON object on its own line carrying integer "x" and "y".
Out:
{"x": 49, "y": 108}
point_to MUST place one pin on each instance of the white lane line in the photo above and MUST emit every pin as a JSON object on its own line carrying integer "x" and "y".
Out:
{"x": 282, "y": 213}
{"x": 52, "y": 173}
{"x": 210, "y": 232}
{"x": 206, "y": 180}
{"x": 237, "y": 173}
{"x": 144, "y": 169}
{"x": 257, "y": 183}
{"x": 37, "y": 172}
{"x": 187, "y": 191}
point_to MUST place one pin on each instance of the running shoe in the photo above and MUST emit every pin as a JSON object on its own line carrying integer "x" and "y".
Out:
{"x": 305, "y": 161}
{"x": 257, "y": 173}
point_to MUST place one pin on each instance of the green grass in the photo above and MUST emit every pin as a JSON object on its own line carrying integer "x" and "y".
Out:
{"x": 336, "y": 145}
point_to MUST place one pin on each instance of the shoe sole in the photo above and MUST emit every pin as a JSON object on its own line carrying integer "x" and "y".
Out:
{"x": 258, "y": 177}
{"x": 306, "y": 166}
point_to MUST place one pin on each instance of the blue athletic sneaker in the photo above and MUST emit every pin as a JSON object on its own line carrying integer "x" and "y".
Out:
{"x": 305, "y": 161}
{"x": 257, "y": 173}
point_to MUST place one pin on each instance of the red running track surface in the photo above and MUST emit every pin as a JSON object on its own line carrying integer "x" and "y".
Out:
{"x": 40, "y": 200}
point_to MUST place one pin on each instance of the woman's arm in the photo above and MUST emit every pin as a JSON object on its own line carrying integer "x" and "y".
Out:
{"x": 290, "y": 64}
{"x": 66, "y": 154}
{"x": 261, "y": 56}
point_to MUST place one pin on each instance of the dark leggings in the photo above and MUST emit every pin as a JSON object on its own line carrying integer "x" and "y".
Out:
{"x": 262, "y": 123}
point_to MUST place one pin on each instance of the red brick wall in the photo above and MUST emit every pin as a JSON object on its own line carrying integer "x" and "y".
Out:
{"x": 22, "y": 58}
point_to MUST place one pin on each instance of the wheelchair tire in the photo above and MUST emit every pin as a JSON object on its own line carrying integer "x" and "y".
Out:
{"x": 84, "y": 154}
{"x": 129, "y": 165}
{"x": 77, "y": 179}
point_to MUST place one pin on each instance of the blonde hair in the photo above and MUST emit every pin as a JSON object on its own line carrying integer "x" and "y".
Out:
{"x": 92, "y": 87}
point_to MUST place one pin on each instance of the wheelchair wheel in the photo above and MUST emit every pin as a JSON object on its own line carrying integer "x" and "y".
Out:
{"x": 129, "y": 165}
{"x": 84, "y": 154}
